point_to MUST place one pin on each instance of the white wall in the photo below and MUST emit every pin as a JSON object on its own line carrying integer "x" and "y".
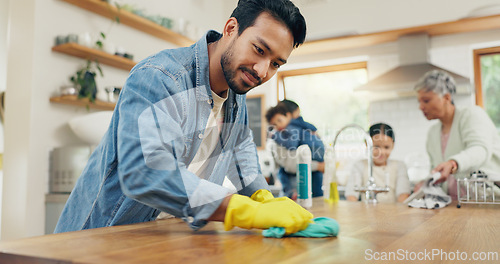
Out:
{"x": 18, "y": 103}
{"x": 4, "y": 8}
{"x": 330, "y": 17}
{"x": 34, "y": 126}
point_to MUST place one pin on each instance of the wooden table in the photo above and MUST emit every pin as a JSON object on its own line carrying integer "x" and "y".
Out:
{"x": 367, "y": 234}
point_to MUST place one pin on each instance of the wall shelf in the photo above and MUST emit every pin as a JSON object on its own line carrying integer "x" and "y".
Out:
{"x": 73, "y": 100}
{"x": 364, "y": 40}
{"x": 80, "y": 51}
{"x": 132, "y": 20}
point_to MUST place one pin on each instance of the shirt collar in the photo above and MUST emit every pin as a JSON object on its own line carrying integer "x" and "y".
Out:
{"x": 202, "y": 65}
{"x": 218, "y": 101}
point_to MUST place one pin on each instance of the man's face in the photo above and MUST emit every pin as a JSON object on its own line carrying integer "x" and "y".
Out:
{"x": 253, "y": 57}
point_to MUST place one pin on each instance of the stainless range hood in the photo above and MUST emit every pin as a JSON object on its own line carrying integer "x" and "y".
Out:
{"x": 413, "y": 64}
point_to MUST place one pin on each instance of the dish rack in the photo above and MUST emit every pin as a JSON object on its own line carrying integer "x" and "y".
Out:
{"x": 477, "y": 190}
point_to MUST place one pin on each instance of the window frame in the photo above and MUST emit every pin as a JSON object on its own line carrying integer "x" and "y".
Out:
{"x": 477, "y": 53}
{"x": 281, "y": 75}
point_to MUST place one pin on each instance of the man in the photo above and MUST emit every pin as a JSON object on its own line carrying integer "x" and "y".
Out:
{"x": 181, "y": 125}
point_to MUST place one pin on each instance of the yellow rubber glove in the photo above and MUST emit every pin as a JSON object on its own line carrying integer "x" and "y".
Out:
{"x": 262, "y": 195}
{"x": 244, "y": 212}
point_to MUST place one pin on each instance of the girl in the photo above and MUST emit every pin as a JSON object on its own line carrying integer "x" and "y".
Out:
{"x": 386, "y": 172}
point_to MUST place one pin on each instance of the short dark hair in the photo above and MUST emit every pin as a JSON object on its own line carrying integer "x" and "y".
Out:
{"x": 291, "y": 105}
{"x": 283, "y": 10}
{"x": 382, "y": 128}
{"x": 279, "y": 109}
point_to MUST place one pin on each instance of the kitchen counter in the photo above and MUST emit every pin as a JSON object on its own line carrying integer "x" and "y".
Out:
{"x": 367, "y": 233}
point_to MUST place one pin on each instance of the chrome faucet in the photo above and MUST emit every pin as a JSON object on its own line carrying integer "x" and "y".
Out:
{"x": 371, "y": 189}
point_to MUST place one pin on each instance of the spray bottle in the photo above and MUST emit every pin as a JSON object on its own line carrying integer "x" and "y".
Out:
{"x": 304, "y": 191}
{"x": 330, "y": 190}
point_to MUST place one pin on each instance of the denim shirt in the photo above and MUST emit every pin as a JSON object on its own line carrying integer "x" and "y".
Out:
{"x": 140, "y": 166}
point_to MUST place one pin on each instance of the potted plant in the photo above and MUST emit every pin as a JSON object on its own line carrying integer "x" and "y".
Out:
{"x": 84, "y": 80}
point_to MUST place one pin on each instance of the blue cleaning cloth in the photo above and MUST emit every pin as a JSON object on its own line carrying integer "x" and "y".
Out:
{"x": 322, "y": 227}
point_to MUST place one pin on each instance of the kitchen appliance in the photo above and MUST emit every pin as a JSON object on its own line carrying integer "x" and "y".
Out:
{"x": 91, "y": 127}
{"x": 65, "y": 166}
{"x": 414, "y": 62}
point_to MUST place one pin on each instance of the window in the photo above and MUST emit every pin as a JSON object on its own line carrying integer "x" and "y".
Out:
{"x": 326, "y": 96}
{"x": 327, "y": 100}
{"x": 487, "y": 80}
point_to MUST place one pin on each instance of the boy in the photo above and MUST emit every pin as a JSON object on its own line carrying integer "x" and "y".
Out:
{"x": 290, "y": 134}
{"x": 293, "y": 108}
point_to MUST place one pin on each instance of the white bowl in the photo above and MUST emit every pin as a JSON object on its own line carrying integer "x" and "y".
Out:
{"x": 91, "y": 127}
{"x": 486, "y": 10}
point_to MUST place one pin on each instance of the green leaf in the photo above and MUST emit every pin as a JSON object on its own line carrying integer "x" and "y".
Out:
{"x": 119, "y": 7}
{"x": 100, "y": 70}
